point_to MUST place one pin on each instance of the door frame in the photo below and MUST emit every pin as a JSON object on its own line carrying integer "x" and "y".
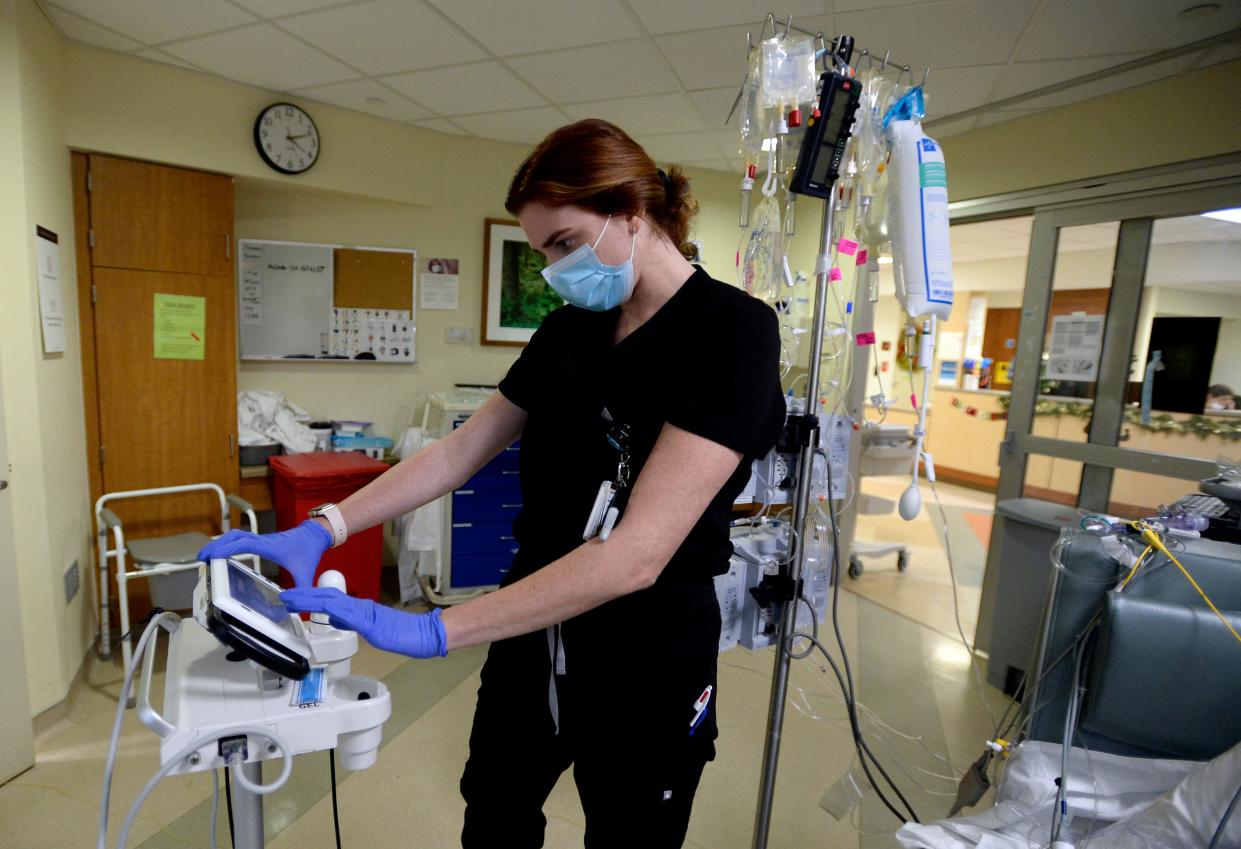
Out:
{"x": 1136, "y": 200}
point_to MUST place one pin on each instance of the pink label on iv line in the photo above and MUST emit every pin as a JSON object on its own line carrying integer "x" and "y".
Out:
{"x": 848, "y": 247}
{"x": 913, "y": 399}
{"x": 835, "y": 274}
{"x": 862, "y": 256}
{"x": 867, "y": 338}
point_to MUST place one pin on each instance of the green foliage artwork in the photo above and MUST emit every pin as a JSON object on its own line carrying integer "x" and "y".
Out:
{"x": 525, "y": 297}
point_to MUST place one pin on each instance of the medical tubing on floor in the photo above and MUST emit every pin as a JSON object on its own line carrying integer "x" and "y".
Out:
{"x": 1070, "y": 723}
{"x": 857, "y": 741}
{"x": 110, "y": 764}
{"x": 846, "y": 683}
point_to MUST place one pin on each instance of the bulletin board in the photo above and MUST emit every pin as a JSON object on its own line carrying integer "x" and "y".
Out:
{"x": 325, "y": 303}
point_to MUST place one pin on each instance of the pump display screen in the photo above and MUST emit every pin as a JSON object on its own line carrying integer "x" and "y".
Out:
{"x": 833, "y": 123}
{"x": 257, "y": 594}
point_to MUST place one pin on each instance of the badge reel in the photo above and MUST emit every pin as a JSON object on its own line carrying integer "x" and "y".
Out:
{"x": 603, "y": 515}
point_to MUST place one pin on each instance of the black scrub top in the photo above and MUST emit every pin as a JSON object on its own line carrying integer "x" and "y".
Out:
{"x": 706, "y": 362}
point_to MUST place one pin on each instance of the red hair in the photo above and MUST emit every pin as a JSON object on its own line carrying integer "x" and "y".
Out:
{"x": 596, "y": 165}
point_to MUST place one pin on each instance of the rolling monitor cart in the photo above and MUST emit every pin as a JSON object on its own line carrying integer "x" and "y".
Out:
{"x": 477, "y": 545}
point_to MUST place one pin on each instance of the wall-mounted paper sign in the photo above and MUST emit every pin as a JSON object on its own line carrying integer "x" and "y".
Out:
{"x": 440, "y": 284}
{"x": 180, "y": 327}
{"x": 51, "y": 307}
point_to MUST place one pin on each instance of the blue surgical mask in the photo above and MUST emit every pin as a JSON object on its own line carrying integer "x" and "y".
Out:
{"x": 584, "y": 281}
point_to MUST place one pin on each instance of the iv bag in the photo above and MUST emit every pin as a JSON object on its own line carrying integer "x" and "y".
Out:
{"x": 788, "y": 71}
{"x": 753, "y": 117}
{"x": 762, "y": 266}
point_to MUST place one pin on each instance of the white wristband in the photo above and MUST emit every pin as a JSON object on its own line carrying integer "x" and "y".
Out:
{"x": 337, "y": 522}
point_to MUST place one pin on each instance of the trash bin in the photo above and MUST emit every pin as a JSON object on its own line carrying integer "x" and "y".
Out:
{"x": 303, "y": 481}
{"x": 1029, "y": 527}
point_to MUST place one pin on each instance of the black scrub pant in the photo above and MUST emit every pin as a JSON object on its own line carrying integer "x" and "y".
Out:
{"x": 634, "y": 669}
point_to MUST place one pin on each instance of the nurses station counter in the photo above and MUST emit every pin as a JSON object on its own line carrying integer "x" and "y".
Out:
{"x": 967, "y": 426}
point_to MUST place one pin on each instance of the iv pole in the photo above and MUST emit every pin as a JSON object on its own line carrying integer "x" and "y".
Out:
{"x": 801, "y": 509}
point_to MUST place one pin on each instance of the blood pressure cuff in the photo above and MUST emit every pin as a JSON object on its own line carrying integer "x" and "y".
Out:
{"x": 1165, "y": 676}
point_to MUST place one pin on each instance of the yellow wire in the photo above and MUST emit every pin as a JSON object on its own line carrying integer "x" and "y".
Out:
{"x": 1136, "y": 564}
{"x": 1153, "y": 539}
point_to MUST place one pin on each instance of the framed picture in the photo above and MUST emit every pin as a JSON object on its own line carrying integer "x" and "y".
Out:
{"x": 516, "y": 298}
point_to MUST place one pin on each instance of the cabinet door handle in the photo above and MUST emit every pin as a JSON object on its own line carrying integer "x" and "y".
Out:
{"x": 510, "y": 506}
{"x": 228, "y": 246}
{"x": 510, "y": 472}
{"x": 508, "y": 538}
{"x": 464, "y": 492}
{"x": 230, "y": 446}
{"x": 463, "y": 524}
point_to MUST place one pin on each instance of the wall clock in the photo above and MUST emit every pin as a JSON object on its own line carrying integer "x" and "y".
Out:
{"x": 286, "y": 138}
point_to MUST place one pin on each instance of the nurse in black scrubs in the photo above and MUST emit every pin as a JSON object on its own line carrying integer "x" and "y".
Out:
{"x": 654, "y": 378}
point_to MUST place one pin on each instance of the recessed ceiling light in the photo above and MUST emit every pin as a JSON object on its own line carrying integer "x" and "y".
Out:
{"x": 1233, "y": 215}
{"x": 376, "y": 101}
{"x": 1199, "y": 10}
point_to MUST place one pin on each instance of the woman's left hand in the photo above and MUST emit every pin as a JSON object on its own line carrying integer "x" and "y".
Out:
{"x": 418, "y": 635}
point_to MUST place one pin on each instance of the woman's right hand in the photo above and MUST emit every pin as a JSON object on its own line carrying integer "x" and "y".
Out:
{"x": 298, "y": 550}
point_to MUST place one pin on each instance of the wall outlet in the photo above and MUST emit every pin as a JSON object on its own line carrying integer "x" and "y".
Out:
{"x": 72, "y": 581}
{"x": 458, "y": 335}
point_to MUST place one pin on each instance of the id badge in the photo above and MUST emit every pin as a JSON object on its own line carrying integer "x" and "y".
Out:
{"x": 600, "y": 510}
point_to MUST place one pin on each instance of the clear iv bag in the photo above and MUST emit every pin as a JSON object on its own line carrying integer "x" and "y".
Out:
{"x": 762, "y": 265}
{"x": 753, "y": 117}
{"x": 788, "y": 71}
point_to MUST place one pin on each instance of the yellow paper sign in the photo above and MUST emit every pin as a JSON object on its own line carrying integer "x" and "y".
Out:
{"x": 180, "y": 327}
{"x": 1004, "y": 371}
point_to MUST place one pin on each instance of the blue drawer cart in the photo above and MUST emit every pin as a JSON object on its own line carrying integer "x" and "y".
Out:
{"x": 480, "y": 518}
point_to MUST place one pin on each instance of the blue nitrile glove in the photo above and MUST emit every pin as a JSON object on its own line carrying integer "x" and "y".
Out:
{"x": 413, "y": 634}
{"x": 298, "y": 550}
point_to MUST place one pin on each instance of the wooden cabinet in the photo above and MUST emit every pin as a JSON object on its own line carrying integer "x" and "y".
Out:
{"x": 154, "y": 230}
{"x": 157, "y": 218}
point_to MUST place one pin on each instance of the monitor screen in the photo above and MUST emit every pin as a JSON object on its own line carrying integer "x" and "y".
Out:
{"x": 833, "y": 124}
{"x": 256, "y": 594}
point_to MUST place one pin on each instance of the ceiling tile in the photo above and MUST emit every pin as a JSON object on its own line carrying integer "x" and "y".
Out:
{"x": 507, "y": 29}
{"x": 952, "y": 127}
{"x": 715, "y": 103}
{"x": 953, "y": 90}
{"x": 1029, "y": 76}
{"x": 716, "y": 58}
{"x": 1222, "y": 53}
{"x": 620, "y": 69}
{"x": 999, "y": 116}
{"x": 661, "y": 16}
{"x": 652, "y": 113}
{"x": 157, "y": 55}
{"x": 1139, "y": 76}
{"x": 153, "y": 21}
{"x": 861, "y": 5}
{"x": 80, "y": 29}
{"x": 675, "y": 147}
{"x": 941, "y": 35}
{"x": 262, "y": 55}
{"x": 1069, "y": 28}
{"x": 441, "y": 125}
{"x": 729, "y": 142}
{"x": 522, "y": 125}
{"x": 361, "y": 94}
{"x": 385, "y": 36}
{"x": 464, "y": 89}
{"x": 279, "y": 8}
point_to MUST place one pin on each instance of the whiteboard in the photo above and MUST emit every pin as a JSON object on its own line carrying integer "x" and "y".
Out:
{"x": 284, "y": 292}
